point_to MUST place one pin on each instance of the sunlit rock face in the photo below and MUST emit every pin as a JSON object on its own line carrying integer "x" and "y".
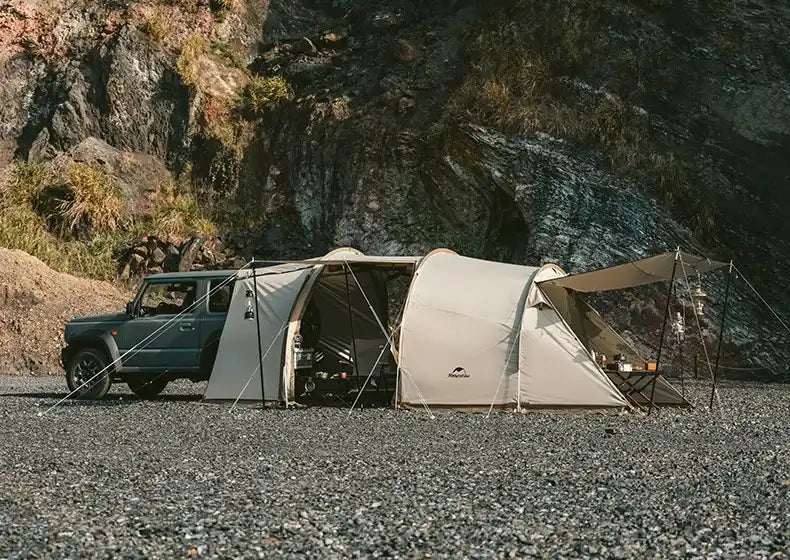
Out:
{"x": 580, "y": 133}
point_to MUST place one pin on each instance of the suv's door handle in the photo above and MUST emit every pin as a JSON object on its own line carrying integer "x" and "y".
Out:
{"x": 187, "y": 327}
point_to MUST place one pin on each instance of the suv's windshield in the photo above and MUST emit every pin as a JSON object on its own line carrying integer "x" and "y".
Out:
{"x": 167, "y": 298}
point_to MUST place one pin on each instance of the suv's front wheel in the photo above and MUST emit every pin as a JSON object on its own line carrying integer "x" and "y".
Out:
{"x": 87, "y": 374}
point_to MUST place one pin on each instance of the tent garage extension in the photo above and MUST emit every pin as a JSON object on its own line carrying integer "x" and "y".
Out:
{"x": 459, "y": 332}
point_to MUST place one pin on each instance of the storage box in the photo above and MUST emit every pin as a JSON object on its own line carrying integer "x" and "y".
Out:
{"x": 650, "y": 366}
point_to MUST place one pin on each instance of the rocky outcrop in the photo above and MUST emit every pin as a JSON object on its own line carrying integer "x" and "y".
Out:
{"x": 151, "y": 255}
{"x": 136, "y": 174}
{"x": 635, "y": 128}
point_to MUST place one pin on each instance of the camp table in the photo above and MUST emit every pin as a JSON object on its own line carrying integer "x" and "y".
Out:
{"x": 634, "y": 382}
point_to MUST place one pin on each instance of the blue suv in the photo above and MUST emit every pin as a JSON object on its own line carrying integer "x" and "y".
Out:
{"x": 133, "y": 348}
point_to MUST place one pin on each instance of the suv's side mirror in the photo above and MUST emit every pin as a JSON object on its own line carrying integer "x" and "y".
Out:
{"x": 130, "y": 309}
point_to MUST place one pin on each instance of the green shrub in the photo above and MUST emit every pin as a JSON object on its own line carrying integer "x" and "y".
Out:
{"x": 263, "y": 94}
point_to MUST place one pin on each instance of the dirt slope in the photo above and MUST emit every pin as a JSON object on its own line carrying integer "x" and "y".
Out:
{"x": 35, "y": 303}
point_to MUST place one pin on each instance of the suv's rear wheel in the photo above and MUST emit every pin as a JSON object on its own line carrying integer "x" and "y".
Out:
{"x": 87, "y": 374}
{"x": 147, "y": 388}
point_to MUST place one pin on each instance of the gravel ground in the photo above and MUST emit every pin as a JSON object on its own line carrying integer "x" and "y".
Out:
{"x": 175, "y": 478}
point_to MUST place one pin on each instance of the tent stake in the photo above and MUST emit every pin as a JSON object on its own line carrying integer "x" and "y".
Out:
{"x": 258, "y": 333}
{"x": 721, "y": 333}
{"x": 351, "y": 324}
{"x": 663, "y": 330}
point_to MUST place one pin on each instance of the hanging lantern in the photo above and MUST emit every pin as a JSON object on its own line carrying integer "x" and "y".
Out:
{"x": 249, "y": 314}
{"x": 679, "y": 327}
{"x": 698, "y": 296}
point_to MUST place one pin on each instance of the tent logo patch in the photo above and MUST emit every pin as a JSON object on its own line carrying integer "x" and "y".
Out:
{"x": 458, "y": 372}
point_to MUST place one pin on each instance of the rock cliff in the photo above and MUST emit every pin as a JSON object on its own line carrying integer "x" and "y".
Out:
{"x": 583, "y": 133}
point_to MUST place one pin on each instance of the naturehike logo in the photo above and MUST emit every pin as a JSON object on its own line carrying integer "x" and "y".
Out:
{"x": 458, "y": 372}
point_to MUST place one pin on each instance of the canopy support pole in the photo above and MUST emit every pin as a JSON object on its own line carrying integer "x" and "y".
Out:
{"x": 699, "y": 325}
{"x": 351, "y": 325}
{"x": 258, "y": 334}
{"x": 721, "y": 333}
{"x": 663, "y": 330}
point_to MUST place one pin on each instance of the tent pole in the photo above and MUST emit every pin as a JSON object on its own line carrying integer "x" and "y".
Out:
{"x": 258, "y": 332}
{"x": 721, "y": 333}
{"x": 682, "y": 374}
{"x": 663, "y": 330}
{"x": 351, "y": 324}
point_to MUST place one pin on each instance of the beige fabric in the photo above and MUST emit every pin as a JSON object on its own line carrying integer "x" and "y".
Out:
{"x": 535, "y": 295}
{"x": 637, "y": 273}
{"x": 596, "y": 334}
{"x": 460, "y": 332}
{"x": 237, "y": 356}
{"x": 480, "y": 333}
{"x": 556, "y": 369}
{"x": 352, "y": 258}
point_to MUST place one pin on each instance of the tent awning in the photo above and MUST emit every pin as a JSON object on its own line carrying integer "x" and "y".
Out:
{"x": 657, "y": 268}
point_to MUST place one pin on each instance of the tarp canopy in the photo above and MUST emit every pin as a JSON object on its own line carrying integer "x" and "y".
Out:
{"x": 658, "y": 268}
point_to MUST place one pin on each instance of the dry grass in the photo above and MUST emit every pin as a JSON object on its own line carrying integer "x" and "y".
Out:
{"x": 176, "y": 214}
{"x": 192, "y": 49}
{"x": 263, "y": 94}
{"x": 25, "y": 183}
{"x": 95, "y": 200}
{"x": 27, "y": 226}
{"x": 156, "y": 26}
{"x": 21, "y": 228}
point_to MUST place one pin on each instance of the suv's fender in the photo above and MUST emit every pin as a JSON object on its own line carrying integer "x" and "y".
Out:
{"x": 101, "y": 340}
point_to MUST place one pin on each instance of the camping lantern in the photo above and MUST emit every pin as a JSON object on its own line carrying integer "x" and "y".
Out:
{"x": 698, "y": 296}
{"x": 679, "y": 327}
{"x": 249, "y": 314}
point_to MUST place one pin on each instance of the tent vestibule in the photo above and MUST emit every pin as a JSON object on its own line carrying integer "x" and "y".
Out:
{"x": 478, "y": 334}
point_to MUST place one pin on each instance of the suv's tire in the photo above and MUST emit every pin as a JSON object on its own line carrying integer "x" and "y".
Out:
{"x": 81, "y": 374}
{"x": 147, "y": 388}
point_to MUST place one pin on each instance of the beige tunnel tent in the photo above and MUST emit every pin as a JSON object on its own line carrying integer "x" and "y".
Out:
{"x": 474, "y": 333}
{"x": 284, "y": 295}
{"x": 479, "y": 333}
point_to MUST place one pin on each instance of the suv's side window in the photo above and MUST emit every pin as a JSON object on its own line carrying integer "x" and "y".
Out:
{"x": 167, "y": 298}
{"x": 219, "y": 301}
